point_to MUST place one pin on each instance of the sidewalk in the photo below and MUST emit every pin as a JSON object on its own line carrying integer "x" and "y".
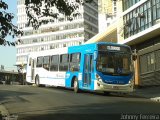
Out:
{"x": 151, "y": 92}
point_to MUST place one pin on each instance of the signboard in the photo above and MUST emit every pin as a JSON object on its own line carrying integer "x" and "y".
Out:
{"x": 113, "y": 48}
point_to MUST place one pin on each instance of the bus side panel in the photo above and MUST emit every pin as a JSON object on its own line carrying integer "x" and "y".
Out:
{"x": 84, "y": 49}
{"x": 69, "y": 78}
{"x": 28, "y": 74}
{"x": 52, "y": 78}
{"x": 92, "y": 82}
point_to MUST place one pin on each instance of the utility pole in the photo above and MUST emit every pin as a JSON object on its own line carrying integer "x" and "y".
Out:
{"x": 21, "y": 71}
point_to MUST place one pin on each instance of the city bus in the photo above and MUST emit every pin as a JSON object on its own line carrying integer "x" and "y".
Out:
{"x": 102, "y": 66}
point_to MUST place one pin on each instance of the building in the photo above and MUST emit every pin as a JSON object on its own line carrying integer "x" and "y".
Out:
{"x": 107, "y": 13}
{"x": 9, "y": 77}
{"x": 110, "y": 21}
{"x": 139, "y": 27}
{"x": 57, "y": 34}
{"x": 141, "y": 30}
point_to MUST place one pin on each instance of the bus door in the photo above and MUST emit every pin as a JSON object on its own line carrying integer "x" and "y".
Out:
{"x": 88, "y": 70}
{"x": 33, "y": 65}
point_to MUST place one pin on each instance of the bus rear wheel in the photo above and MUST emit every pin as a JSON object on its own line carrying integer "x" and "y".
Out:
{"x": 37, "y": 80}
{"x": 75, "y": 85}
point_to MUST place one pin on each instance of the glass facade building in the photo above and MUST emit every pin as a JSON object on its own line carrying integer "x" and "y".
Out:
{"x": 141, "y": 26}
{"x": 129, "y": 3}
{"x": 141, "y": 18}
{"x": 107, "y": 13}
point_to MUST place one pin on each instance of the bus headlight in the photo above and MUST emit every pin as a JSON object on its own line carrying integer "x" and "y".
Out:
{"x": 98, "y": 78}
{"x": 131, "y": 81}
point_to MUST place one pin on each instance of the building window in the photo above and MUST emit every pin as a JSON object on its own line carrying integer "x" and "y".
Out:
{"x": 141, "y": 18}
{"x": 157, "y": 56}
{"x": 128, "y": 3}
{"x": 147, "y": 63}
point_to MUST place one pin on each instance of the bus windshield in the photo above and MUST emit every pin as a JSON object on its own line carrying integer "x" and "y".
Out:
{"x": 114, "y": 63}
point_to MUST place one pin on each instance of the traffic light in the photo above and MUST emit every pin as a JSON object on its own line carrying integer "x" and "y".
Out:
{"x": 134, "y": 55}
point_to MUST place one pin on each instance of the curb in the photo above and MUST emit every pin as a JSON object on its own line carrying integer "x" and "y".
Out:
{"x": 3, "y": 110}
{"x": 154, "y": 99}
{"x": 157, "y": 99}
{"x": 4, "y": 114}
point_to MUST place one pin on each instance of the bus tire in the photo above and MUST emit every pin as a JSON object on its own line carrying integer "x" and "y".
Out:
{"x": 76, "y": 85}
{"x": 37, "y": 80}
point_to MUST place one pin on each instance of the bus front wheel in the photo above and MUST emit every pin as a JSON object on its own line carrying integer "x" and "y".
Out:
{"x": 75, "y": 85}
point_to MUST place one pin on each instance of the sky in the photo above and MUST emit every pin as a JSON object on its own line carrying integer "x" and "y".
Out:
{"x": 8, "y": 53}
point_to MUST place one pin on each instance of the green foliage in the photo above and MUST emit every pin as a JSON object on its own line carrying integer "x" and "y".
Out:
{"x": 37, "y": 9}
{"x": 6, "y": 26}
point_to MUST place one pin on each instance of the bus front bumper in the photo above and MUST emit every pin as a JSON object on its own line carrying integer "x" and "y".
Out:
{"x": 100, "y": 86}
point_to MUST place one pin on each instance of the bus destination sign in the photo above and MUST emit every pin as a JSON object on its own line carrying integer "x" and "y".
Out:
{"x": 112, "y": 48}
{"x": 106, "y": 47}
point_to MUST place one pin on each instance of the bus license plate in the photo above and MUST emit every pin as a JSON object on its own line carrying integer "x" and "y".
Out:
{"x": 115, "y": 87}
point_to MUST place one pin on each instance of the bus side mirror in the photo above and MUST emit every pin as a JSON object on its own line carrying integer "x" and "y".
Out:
{"x": 134, "y": 55}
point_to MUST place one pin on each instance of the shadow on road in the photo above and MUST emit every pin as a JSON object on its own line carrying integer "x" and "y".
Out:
{"x": 97, "y": 107}
{"x": 112, "y": 94}
{"x": 95, "y": 111}
{"x": 74, "y": 117}
{"x": 6, "y": 96}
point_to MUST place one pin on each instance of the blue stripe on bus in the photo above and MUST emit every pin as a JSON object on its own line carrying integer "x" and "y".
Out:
{"x": 50, "y": 77}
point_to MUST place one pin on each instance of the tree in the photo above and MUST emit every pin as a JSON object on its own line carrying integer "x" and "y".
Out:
{"x": 6, "y": 26}
{"x": 42, "y": 11}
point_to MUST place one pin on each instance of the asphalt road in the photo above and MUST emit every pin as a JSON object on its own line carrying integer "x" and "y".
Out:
{"x": 33, "y": 103}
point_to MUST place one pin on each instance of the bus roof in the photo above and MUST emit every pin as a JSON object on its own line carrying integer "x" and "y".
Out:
{"x": 88, "y": 48}
{"x": 99, "y": 43}
{"x": 110, "y": 43}
{"x": 49, "y": 52}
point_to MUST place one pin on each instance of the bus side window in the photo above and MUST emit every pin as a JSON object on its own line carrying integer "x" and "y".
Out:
{"x": 46, "y": 61}
{"x": 74, "y": 62}
{"x": 54, "y": 63}
{"x": 63, "y": 66}
{"x": 39, "y": 61}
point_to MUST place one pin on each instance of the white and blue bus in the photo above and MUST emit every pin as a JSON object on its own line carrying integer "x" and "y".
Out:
{"x": 99, "y": 66}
